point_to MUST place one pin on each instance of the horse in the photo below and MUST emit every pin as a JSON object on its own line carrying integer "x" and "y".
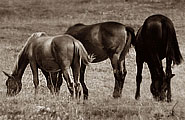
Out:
{"x": 155, "y": 40}
{"x": 105, "y": 40}
{"x": 53, "y": 55}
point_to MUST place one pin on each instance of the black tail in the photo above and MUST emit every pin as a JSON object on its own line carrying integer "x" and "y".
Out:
{"x": 129, "y": 40}
{"x": 172, "y": 45}
{"x": 133, "y": 37}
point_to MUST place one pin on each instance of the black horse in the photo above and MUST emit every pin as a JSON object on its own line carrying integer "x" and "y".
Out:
{"x": 105, "y": 40}
{"x": 156, "y": 40}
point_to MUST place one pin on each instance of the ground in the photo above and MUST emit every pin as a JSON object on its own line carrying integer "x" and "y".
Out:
{"x": 20, "y": 18}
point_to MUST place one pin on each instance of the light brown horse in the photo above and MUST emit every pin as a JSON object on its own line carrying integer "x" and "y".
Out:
{"x": 52, "y": 54}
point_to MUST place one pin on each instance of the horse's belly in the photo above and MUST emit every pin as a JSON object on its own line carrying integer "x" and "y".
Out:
{"x": 100, "y": 58}
{"x": 50, "y": 65}
{"x": 100, "y": 54}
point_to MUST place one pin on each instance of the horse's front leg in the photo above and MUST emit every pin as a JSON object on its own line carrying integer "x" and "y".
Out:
{"x": 34, "y": 69}
{"x": 139, "y": 63}
{"x": 169, "y": 75}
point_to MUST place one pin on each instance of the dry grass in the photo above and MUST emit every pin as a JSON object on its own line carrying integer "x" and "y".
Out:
{"x": 20, "y": 18}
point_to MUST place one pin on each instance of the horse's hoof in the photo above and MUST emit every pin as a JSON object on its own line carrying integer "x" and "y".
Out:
{"x": 137, "y": 97}
{"x": 169, "y": 100}
{"x": 85, "y": 97}
{"x": 57, "y": 93}
{"x": 116, "y": 96}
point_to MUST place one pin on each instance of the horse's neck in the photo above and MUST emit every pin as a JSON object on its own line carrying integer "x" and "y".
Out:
{"x": 20, "y": 64}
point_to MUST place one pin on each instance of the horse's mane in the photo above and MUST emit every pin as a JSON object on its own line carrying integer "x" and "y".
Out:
{"x": 22, "y": 54}
{"x": 37, "y": 35}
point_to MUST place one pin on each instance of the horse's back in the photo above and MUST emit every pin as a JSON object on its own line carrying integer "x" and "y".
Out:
{"x": 41, "y": 53}
{"x": 113, "y": 34}
{"x": 73, "y": 30}
{"x": 63, "y": 49}
{"x": 153, "y": 32}
{"x": 41, "y": 44}
{"x": 49, "y": 51}
{"x": 101, "y": 39}
{"x": 157, "y": 37}
{"x": 69, "y": 50}
{"x": 151, "y": 37}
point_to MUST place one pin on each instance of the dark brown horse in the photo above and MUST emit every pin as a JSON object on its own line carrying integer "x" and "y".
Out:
{"x": 156, "y": 40}
{"x": 52, "y": 54}
{"x": 105, "y": 40}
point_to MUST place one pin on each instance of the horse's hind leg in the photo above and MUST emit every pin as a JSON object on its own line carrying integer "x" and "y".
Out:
{"x": 84, "y": 87}
{"x": 68, "y": 81}
{"x": 34, "y": 69}
{"x": 118, "y": 76}
{"x": 52, "y": 80}
{"x": 59, "y": 83}
{"x": 76, "y": 72}
{"x": 158, "y": 77}
{"x": 169, "y": 75}
{"x": 139, "y": 63}
{"x": 56, "y": 82}
{"x": 123, "y": 73}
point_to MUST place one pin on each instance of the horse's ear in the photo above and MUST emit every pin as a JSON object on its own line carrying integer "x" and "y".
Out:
{"x": 8, "y": 75}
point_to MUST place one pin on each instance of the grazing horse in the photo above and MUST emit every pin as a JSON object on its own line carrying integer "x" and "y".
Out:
{"x": 105, "y": 40}
{"x": 156, "y": 40}
{"x": 52, "y": 54}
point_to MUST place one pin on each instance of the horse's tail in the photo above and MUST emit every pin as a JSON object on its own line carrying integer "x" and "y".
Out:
{"x": 82, "y": 54}
{"x": 172, "y": 44}
{"x": 130, "y": 39}
{"x": 131, "y": 32}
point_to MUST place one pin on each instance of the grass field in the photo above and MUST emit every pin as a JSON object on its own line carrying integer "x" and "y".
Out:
{"x": 20, "y": 18}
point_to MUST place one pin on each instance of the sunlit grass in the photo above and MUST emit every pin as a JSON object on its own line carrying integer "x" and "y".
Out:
{"x": 20, "y": 18}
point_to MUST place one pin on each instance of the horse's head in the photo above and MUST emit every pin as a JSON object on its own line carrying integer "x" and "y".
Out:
{"x": 13, "y": 86}
{"x": 160, "y": 86}
{"x": 154, "y": 90}
{"x": 158, "y": 82}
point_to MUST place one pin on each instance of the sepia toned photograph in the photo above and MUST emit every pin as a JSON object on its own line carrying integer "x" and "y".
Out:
{"x": 92, "y": 60}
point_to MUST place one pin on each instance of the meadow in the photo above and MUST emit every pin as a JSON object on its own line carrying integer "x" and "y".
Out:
{"x": 20, "y": 18}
